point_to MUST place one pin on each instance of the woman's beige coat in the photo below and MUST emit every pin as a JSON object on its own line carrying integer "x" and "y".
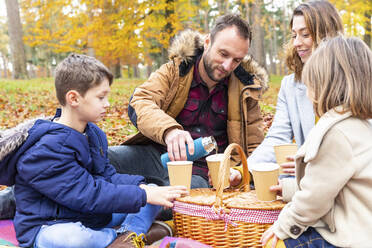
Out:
{"x": 333, "y": 187}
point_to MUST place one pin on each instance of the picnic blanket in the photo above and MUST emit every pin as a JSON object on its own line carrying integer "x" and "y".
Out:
{"x": 7, "y": 234}
{"x": 174, "y": 242}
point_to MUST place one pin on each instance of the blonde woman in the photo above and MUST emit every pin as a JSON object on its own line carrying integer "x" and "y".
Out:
{"x": 294, "y": 117}
{"x": 332, "y": 203}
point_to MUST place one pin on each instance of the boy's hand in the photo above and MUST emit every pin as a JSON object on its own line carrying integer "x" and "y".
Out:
{"x": 163, "y": 195}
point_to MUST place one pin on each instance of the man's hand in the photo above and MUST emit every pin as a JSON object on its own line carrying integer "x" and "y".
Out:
{"x": 176, "y": 141}
{"x": 289, "y": 167}
{"x": 163, "y": 195}
{"x": 235, "y": 177}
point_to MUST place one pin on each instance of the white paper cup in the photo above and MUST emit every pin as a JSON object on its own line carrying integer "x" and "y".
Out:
{"x": 180, "y": 173}
{"x": 264, "y": 176}
{"x": 214, "y": 163}
{"x": 282, "y": 152}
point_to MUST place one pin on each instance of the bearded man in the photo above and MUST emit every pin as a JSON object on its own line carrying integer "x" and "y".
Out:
{"x": 210, "y": 87}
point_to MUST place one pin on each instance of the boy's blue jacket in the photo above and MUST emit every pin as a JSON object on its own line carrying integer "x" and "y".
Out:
{"x": 64, "y": 176}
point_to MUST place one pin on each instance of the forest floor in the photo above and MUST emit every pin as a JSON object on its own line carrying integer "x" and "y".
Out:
{"x": 25, "y": 99}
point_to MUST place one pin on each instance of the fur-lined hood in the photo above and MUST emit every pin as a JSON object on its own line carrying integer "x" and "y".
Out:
{"x": 11, "y": 140}
{"x": 189, "y": 44}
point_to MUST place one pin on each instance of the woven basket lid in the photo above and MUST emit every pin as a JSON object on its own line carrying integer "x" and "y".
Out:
{"x": 230, "y": 198}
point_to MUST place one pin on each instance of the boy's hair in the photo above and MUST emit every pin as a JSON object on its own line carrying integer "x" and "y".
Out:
{"x": 339, "y": 73}
{"x": 322, "y": 20}
{"x": 230, "y": 20}
{"x": 79, "y": 72}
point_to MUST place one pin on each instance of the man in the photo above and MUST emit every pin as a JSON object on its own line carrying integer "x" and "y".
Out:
{"x": 208, "y": 88}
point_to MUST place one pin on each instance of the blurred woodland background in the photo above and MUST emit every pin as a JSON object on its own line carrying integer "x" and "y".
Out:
{"x": 132, "y": 36}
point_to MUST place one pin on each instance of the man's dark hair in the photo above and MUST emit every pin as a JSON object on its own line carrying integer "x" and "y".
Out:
{"x": 79, "y": 72}
{"x": 230, "y": 20}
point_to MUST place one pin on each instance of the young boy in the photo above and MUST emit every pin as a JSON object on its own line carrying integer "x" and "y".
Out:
{"x": 66, "y": 191}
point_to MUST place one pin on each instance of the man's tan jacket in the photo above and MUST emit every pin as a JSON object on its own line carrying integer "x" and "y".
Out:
{"x": 156, "y": 103}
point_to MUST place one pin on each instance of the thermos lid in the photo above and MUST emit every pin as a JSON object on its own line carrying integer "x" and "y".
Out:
{"x": 209, "y": 143}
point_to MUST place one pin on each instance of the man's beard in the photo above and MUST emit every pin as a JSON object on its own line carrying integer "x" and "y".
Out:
{"x": 209, "y": 70}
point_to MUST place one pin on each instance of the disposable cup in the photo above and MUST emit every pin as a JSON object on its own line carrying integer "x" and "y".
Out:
{"x": 281, "y": 153}
{"x": 180, "y": 173}
{"x": 214, "y": 163}
{"x": 264, "y": 176}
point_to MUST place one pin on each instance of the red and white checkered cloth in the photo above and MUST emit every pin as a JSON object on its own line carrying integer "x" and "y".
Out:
{"x": 244, "y": 215}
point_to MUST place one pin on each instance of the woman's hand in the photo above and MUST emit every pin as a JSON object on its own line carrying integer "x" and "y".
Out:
{"x": 163, "y": 195}
{"x": 289, "y": 167}
{"x": 277, "y": 188}
{"x": 267, "y": 235}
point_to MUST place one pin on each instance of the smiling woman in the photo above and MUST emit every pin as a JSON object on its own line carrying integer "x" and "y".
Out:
{"x": 294, "y": 118}
{"x": 302, "y": 40}
{"x": 313, "y": 21}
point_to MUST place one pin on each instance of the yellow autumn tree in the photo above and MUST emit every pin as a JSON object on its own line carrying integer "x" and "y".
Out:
{"x": 356, "y": 16}
{"x": 52, "y": 26}
{"x": 125, "y": 32}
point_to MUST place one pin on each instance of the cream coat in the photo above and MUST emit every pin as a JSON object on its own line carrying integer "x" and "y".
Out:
{"x": 333, "y": 185}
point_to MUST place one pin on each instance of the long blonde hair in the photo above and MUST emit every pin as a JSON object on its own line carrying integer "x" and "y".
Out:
{"x": 339, "y": 73}
{"x": 322, "y": 20}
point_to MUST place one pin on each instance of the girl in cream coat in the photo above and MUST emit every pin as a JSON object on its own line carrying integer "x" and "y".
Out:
{"x": 331, "y": 195}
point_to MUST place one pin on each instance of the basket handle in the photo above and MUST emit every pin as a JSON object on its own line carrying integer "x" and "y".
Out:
{"x": 226, "y": 165}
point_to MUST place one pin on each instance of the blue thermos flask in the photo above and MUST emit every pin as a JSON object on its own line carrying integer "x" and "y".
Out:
{"x": 202, "y": 147}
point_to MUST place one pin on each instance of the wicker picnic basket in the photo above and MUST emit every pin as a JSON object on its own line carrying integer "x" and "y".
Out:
{"x": 225, "y": 218}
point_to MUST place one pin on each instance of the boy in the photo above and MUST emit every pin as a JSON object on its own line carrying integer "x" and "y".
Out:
{"x": 66, "y": 191}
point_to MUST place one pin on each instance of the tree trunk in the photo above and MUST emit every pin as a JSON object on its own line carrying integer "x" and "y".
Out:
{"x": 285, "y": 38}
{"x": 206, "y": 23}
{"x": 5, "y": 62}
{"x": 136, "y": 72}
{"x": 257, "y": 46}
{"x": 117, "y": 69}
{"x": 272, "y": 58}
{"x": 129, "y": 72}
{"x": 223, "y": 6}
{"x": 149, "y": 70}
{"x": 47, "y": 69}
{"x": 169, "y": 11}
{"x": 164, "y": 55}
{"x": 273, "y": 51}
{"x": 17, "y": 49}
{"x": 367, "y": 27}
{"x": 31, "y": 71}
{"x": 247, "y": 15}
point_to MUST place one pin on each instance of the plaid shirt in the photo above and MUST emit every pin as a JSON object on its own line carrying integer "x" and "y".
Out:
{"x": 205, "y": 114}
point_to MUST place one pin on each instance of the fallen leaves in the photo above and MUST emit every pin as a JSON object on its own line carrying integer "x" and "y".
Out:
{"x": 21, "y": 100}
